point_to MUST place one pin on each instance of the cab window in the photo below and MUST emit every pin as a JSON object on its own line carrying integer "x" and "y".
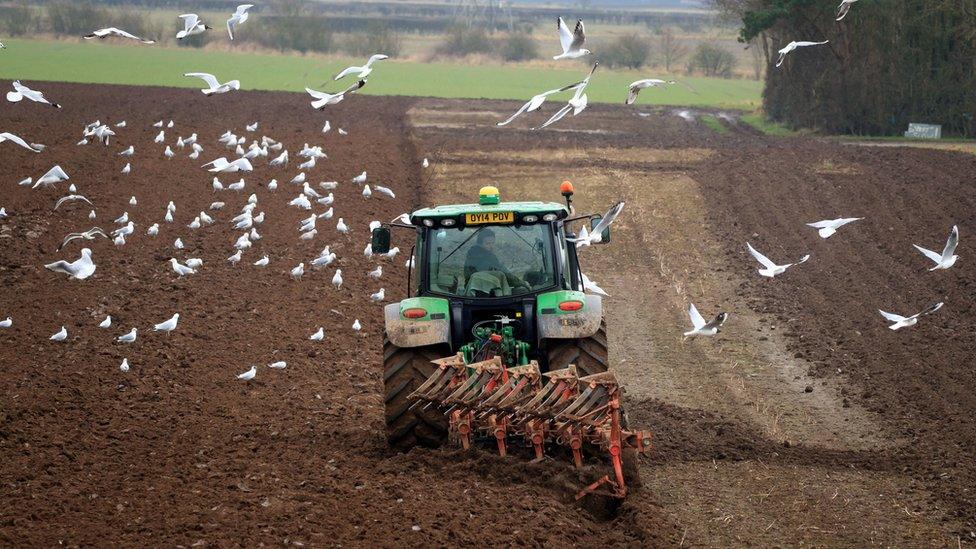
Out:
{"x": 491, "y": 261}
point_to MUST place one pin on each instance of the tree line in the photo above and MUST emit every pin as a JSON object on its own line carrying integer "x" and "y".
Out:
{"x": 888, "y": 63}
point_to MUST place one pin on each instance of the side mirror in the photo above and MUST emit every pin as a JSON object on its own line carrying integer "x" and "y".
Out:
{"x": 594, "y": 221}
{"x": 380, "y": 241}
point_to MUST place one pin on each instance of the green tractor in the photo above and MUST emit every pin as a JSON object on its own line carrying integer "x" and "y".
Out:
{"x": 498, "y": 338}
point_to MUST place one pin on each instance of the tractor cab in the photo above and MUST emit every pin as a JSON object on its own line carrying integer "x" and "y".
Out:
{"x": 495, "y": 259}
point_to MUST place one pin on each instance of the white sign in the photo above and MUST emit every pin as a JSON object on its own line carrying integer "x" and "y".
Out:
{"x": 924, "y": 131}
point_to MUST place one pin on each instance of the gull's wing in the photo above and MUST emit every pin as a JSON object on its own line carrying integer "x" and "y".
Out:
{"x": 376, "y": 57}
{"x": 61, "y": 266}
{"x": 696, "y": 318}
{"x": 929, "y": 253}
{"x": 931, "y": 309}
{"x": 210, "y": 79}
{"x": 346, "y": 72}
{"x": 556, "y": 117}
{"x": 760, "y": 257}
{"x": 802, "y": 44}
{"x": 355, "y": 87}
{"x": 607, "y": 219}
{"x": 6, "y": 136}
{"x": 579, "y": 36}
{"x": 782, "y": 57}
{"x": 565, "y": 37}
{"x": 892, "y": 317}
{"x": 718, "y": 320}
{"x": 190, "y": 20}
{"x": 57, "y": 172}
{"x": 230, "y": 25}
{"x": 69, "y": 198}
{"x": 123, "y": 34}
{"x": 632, "y": 95}
{"x": 243, "y": 8}
{"x": 842, "y": 10}
{"x": 824, "y": 224}
{"x": 950, "y": 247}
{"x": 518, "y": 112}
{"x": 317, "y": 94}
{"x": 218, "y": 163}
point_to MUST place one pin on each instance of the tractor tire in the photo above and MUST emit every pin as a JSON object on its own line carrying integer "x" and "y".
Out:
{"x": 405, "y": 369}
{"x": 589, "y": 354}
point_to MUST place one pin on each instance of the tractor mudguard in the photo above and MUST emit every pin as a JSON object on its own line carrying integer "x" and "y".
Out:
{"x": 557, "y": 323}
{"x": 430, "y": 329}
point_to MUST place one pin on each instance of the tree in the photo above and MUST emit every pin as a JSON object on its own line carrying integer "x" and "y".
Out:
{"x": 887, "y": 64}
{"x": 629, "y": 51}
{"x": 463, "y": 41}
{"x": 712, "y": 61}
{"x": 519, "y": 47}
{"x": 377, "y": 38}
{"x": 671, "y": 49}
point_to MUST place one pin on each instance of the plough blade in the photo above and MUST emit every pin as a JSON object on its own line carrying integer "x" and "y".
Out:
{"x": 554, "y": 407}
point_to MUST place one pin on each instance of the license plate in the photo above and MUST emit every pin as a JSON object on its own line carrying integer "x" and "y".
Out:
{"x": 489, "y": 217}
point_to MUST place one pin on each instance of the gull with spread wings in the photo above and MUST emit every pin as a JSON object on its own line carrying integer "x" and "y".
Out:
{"x": 571, "y": 42}
{"x": 576, "y": 103}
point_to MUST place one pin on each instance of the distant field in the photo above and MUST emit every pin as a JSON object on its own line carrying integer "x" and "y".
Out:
{"x": 90, "y": 62}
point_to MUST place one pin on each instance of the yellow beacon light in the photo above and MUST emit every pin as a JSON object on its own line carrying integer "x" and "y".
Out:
{"x": 488, "y": 195}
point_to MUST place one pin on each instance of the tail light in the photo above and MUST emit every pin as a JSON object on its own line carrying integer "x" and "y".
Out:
{"x": 570, "y": 305}
{"x": 415, "y": 313}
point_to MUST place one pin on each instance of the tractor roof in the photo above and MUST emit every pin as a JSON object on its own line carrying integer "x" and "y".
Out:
{"x": 521, "y": 208}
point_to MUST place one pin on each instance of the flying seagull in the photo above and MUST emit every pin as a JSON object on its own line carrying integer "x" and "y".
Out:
{"x": 222, "y": 165}
{"x": 771, "y": 269}
{"x": 596, "y": 235}
{"x": 828, "y": 227}
{"x": 54, "y": 175}
{"x": 636, "y": 87}
{"x": 843, "y": 8}
{"x": 576, "y": 103}
{"x": 80, "y": 269}
{"x": 700, "y": 327}
{"x": 239, "y": 17}
{"x": 112, "y": 31}
{"x": 215, "y": 86}
{"x": 947, "y": 258}
{"x": 363, "y": 71}
{"x": 323, "y": 99}
{"x": 90, "y": 234}
{"x": 536, "y": 102}
{"x": 21, "y": 92}
{"x": 191, "y": 26}
{"x": 571, "y": 42}
{"x": 71, "y": 198}
{"x": 792, "y": 46}
{"x": 33, "y": 147}
{"x": 900, "y": 322}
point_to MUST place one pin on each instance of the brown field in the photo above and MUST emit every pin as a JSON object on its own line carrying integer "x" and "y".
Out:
{"x": 805, "y": 422}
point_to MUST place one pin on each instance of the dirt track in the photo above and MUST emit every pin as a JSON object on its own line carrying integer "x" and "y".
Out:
{"x": 178, "y": 451}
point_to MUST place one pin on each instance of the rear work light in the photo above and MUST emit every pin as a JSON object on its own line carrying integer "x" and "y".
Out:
{"x": 415, "y": 313}
{"x": 571, "y": 305}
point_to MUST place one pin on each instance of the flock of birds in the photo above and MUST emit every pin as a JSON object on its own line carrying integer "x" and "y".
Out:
{"x": 247, "y": 220}
{"x": 827, "y": 228}
{"x": 308, "y": 198}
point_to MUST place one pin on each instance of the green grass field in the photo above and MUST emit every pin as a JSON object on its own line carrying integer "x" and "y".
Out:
{"x": 90, "y": 62}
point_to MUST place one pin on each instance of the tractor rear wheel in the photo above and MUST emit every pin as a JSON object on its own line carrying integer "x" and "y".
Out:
{"x": 405, "y": 369}
{"x": 589, "y": 354}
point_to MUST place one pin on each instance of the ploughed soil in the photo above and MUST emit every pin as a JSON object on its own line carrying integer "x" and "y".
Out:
{"x": 178, "y": 451}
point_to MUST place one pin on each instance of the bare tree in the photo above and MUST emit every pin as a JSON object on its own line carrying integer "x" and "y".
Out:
{"x": 671, "y": 48}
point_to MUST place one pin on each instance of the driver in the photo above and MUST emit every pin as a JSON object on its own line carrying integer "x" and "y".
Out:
{"x": 481, "y": 258}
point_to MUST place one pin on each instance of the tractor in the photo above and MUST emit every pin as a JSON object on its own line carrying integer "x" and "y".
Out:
{"x": 496, "y": 341}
